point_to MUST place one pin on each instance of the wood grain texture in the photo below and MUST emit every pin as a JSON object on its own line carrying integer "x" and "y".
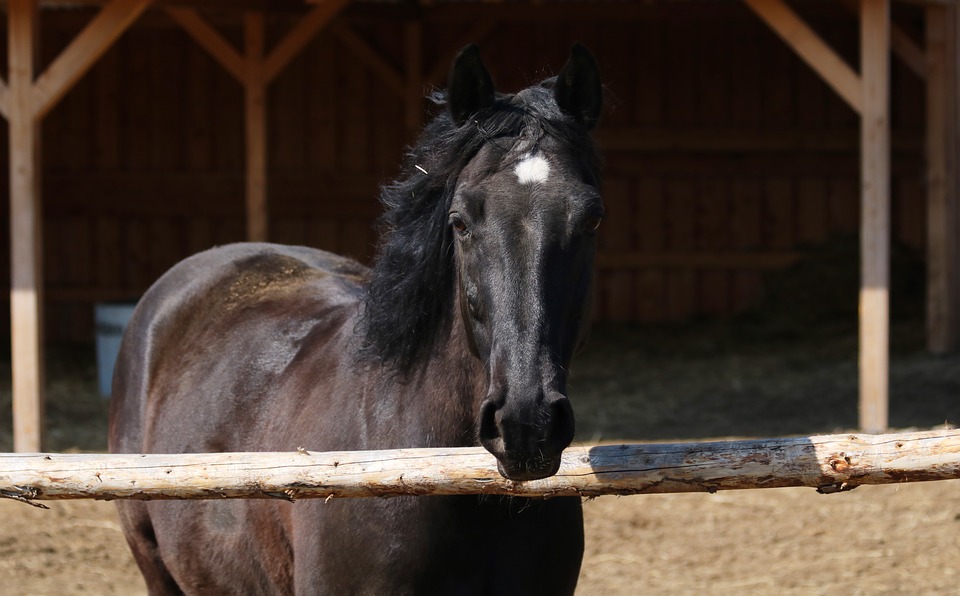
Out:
{"x": 829, "y": 463}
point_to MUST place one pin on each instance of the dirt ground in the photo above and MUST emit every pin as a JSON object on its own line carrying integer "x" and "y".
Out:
{"x": 788, "y": 370}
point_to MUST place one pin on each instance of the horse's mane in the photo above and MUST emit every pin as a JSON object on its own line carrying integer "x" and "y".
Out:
{"x": 410, "y": 291}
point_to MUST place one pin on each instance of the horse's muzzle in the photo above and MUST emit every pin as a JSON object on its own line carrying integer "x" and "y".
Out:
{"x": 527, "y": 437}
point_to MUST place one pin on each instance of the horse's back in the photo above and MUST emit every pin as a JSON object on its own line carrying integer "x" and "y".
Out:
{"x": 211, "y": 336}
{"x": 200, "y": 369}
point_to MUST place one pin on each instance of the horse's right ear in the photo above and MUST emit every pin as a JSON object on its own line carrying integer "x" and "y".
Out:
{"x": 469, "y": 88}
{"x": 578, "y": 90}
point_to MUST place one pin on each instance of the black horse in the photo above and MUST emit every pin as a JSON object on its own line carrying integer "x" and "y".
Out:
{"x": 462, "y": 332}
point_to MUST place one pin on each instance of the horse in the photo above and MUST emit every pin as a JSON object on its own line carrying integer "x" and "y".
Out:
{"x": 460, "y": 333}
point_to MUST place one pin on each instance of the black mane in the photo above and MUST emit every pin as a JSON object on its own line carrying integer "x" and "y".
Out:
{"x": 408, "y": 301}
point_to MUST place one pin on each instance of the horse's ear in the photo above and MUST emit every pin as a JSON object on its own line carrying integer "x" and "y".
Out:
{"x": 578, "y": 90}
{"x": 469, "y": 88}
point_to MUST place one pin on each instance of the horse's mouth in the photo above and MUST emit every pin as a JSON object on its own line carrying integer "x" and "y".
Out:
{"x": 531, "y": 469}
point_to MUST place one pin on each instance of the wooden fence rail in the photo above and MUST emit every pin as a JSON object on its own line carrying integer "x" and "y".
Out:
{"x": 828, "y": 463}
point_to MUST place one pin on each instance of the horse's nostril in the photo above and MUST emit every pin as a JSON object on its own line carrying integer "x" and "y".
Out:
{"x": 562, "y": 425}
{"x": 490, "y": 436}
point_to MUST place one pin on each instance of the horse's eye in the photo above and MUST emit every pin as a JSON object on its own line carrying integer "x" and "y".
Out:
{"x": 457, "y": 223}
{"x": 592, "y": 223}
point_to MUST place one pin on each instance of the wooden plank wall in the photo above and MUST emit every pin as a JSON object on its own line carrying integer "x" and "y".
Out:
{"x": 726, "y": 156}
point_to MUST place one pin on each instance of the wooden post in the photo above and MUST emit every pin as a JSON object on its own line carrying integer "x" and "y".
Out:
{"x": 255, "y": 96}
{"x": 875, "y": 214}
{"x": 25, "y": 102}
{"x": 943, "y": 267}
{"x": 255, "y": 72}
{"x": 25, "y": 240}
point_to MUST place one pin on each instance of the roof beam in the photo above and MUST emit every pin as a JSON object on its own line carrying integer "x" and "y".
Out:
{"x": 301, "y": 35}
{"x": 84, "y": 51}
{"x": 812, "y": 49}
{"x": 210, "y": 39}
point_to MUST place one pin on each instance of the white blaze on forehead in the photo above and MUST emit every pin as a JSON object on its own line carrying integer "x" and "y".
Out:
{"x": 531, "y": 169}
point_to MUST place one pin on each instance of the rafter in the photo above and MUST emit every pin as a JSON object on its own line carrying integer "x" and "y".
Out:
{"x": 84, "y": 51}
{"x": 211, "y": 40}
{"x": 812, "y": 49}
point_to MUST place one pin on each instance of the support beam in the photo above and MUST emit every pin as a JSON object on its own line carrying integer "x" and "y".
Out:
{"x": 210, "y": 40}
{"x": 26, "y": 304}
{"x": 25, "y": 102}
{"x": 875, "y": 214}
{"x": 811, "y": 48}
{"x": 255, "y": 118}
{"x": 943, "y": 219}
{"x": 303, "y": 33}
{"x": 84, "y": 51}
{"x": 362, "y": 51}
{"x": 255, "y": 70}
{"x": 903, "y": 46}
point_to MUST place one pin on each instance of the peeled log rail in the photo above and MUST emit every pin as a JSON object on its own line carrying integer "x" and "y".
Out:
{"x": 829, "y": 463}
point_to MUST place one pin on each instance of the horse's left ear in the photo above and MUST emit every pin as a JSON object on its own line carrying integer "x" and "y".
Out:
{"x": 578, "y": 90}
{"x": 469, "y": 88}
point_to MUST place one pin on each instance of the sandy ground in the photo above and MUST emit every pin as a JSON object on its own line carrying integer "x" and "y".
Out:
{"x": 874, "y": 540}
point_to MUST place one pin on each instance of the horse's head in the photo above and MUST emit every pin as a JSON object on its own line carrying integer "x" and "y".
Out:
{"x": 524, "y": 216}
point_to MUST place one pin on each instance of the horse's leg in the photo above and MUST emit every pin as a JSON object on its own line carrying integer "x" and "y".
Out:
{"x": 142, "y": 539}
{"x": 541, "y": 548}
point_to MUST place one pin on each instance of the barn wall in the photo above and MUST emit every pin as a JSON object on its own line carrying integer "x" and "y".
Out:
{"x": 727, "y": 158}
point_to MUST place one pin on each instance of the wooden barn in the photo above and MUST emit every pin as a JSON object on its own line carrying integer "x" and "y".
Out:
{"x": 739, "y": 136}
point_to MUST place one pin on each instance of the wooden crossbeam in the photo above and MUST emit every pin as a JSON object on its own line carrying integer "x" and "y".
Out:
{"x": 828, "y": 463}
{"x": 903, "y": 46}
{"x": 255, "y": 69}
{"x": 84, "y": 51}
{"x": 811, "y": 48}
{"x": 210, "y": 39}
{"x": 372, "y": 60}
{"x": 301, "y": 34}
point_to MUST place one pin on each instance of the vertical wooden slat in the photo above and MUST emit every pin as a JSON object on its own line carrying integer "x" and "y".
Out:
{"x": 875, "y": 218}
{"x": 811, "y": 211}
{"x": 616, "y": 287}
{"x": 649, "y": 229}
{"x": 713, "y": 236}
{"x": 107, "y": 129}
{"x": 780, "y": 213}
{"x": 942, "y": 187}
{"x": 321, "y": 107}
{"x": 25, "y": 231}
{"x": 413, "y": 60}
{"x": 256, "y": 127}
{"x": 746, "y": 234}
{"x": 681, "y": 296}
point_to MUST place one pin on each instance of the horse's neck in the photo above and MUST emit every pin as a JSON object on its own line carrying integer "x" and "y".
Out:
{"x": 450, "y": 388}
